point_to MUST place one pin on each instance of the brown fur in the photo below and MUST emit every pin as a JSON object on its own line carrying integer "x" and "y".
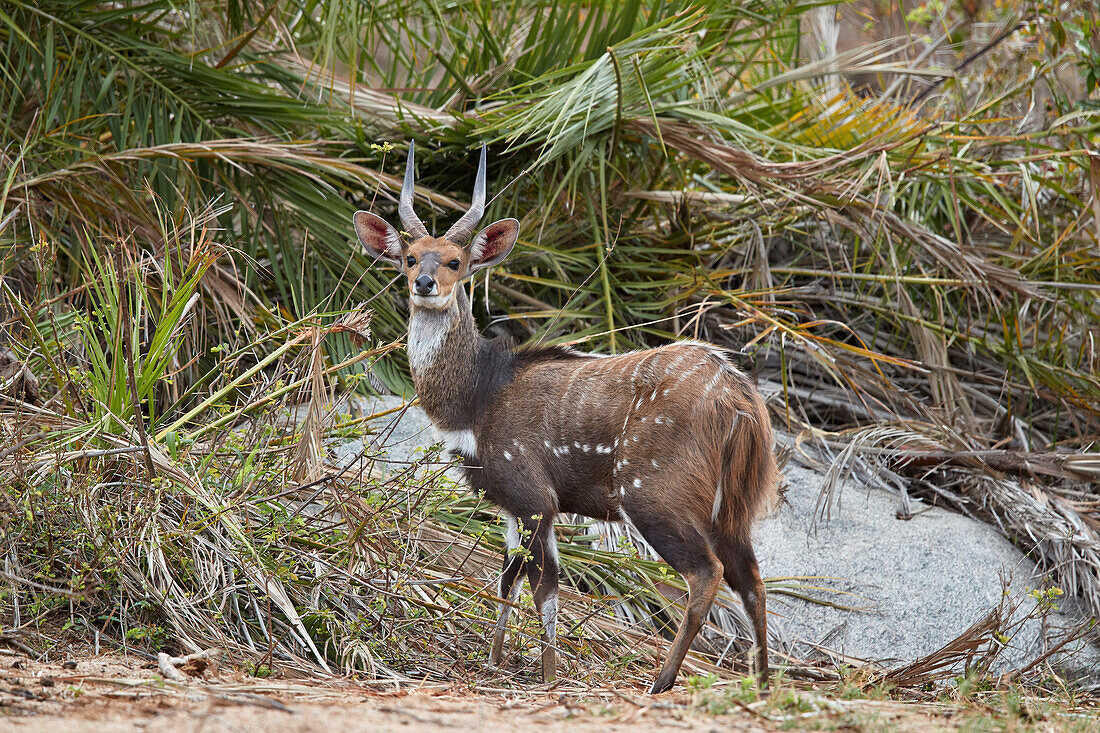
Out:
{"x": 680, "y": 445}
{"x": 647, "y": 437}
{"x": 673, "y": 439}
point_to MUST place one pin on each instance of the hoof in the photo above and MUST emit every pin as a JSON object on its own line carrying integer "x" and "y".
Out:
{"x": 660, "y": 686}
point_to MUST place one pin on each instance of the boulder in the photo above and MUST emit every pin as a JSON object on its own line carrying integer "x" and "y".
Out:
{"x": 919, "y": 582}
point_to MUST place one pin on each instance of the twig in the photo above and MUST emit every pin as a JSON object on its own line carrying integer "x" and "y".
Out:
{"x": 971, "y": 59}
{"x": 40, "y": 586}
{"x": 1012, "y": 462}
{"x": 1076, "y": 634}
{"x": 10, "y": 640}
{"x": 167, "y": 670}
{"x": 24, "y": 443}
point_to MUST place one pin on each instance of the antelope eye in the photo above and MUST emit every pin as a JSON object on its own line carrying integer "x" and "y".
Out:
{"x": 410, "y": 261}
{"x": 454, "y": 264}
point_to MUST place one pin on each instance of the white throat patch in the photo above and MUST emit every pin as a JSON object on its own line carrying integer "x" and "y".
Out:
{"x": 427, "y": 331}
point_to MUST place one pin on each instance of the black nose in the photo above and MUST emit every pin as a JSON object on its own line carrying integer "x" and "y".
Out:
{"x": 424, "y": 285}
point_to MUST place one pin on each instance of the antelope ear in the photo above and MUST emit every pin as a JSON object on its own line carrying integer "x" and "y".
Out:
{"x": 493, "y": 243}
{"x": 378, "y": 237}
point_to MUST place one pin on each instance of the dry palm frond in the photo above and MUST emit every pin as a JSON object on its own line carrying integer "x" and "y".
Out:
{"x": 977, "y": 652}
{"x": 808, "y": 183}
{"x": 972, "y": 648}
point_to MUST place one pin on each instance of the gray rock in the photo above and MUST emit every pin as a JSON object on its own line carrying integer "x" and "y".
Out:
{"x": 923, "y": 580}
{"x": 394, "y": 440}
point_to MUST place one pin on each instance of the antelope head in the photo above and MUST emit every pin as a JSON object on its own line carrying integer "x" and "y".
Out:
{"x": 434, "y": 266}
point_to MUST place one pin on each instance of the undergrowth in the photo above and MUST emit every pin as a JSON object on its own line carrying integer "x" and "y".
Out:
{"x": 908, "y": 268}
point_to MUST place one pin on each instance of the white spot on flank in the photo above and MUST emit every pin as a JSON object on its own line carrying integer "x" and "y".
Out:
{"x": 547, "y": 444}
{"x": 507, "y": 456}
{"x": 586, "y": 447}
{"x": 637, "y": 483}
{"x": 653, "y": 396}
{"x": 576, "y": 445}
{"x": 665, "y": 393}
{"x": 458, "y": 441}
{"x": 662, "y": 420}
{"x": 622, "y": 491}
{"x": 653, "y": 462}
{"x": 717, "y": 503}
{"x": 605, "y": 448}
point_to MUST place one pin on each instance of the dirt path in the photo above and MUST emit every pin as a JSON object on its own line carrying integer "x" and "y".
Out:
{"x": 111, "y": 693}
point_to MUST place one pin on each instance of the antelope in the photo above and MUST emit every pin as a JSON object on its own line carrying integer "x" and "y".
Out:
{"x": 673, "y": 440}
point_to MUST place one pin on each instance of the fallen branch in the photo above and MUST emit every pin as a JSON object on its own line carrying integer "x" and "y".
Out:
{"x": 196, "y": 665}
{"x": 41, "y": 586}
{"x": 1075, "y": 467}
{"x": 167, "y": 670}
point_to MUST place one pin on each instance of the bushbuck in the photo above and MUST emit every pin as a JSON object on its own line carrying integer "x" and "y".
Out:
{"x": 673, "y": 440}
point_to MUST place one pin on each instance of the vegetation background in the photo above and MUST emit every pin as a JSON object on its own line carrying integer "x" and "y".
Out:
{"x": 890, "y": 209}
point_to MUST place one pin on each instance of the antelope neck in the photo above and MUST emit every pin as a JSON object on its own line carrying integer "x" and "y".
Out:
{"x": 456, "y": 371}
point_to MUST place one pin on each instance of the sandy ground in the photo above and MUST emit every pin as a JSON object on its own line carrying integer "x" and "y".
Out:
{"x": 111, "y": 693}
